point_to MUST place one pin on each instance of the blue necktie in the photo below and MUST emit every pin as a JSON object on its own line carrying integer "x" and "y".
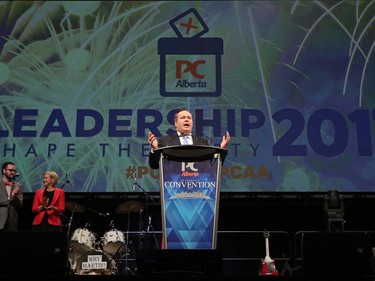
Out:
{"x": 185, "y": 141}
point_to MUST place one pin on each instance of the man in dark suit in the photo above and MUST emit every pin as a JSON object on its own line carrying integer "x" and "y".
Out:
{"x": 183, "y": 122}
{"x": 11, "y": 198}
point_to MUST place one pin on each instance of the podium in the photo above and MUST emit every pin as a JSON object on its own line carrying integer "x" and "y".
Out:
{"x": 190, "y": 192}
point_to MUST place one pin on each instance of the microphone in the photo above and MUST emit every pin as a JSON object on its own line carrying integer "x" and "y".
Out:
{"x": 134, "y": 180}
{"x": 104, "y": 215}
{"x": 212, "y": 142}
{"x": 13, "y": 179}
{"x": 112, "y": 224}
{"x": 149, "y": 224}
{"x": 67, "y": 180}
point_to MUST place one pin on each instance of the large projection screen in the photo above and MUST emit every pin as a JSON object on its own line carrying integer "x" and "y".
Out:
{"x": 82, "y": 83}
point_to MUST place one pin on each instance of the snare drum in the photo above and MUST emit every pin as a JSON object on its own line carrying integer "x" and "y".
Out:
{"x": 83, "y": 240}
{"x": 96, "y": 263}
{"x": 113, "y": 242}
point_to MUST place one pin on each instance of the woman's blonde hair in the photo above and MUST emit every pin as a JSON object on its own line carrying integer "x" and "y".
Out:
{"x": 54, "y": 176}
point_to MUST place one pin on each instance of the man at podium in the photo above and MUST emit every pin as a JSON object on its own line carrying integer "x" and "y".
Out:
{"x": 183, "y": 121}
{"x": 189, "y": 189}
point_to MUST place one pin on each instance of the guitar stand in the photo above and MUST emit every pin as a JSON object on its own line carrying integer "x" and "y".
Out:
{"x": 287, "y": 268}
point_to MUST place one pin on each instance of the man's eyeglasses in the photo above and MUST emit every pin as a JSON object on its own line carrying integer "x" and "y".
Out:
{"x": 12, "y": 170}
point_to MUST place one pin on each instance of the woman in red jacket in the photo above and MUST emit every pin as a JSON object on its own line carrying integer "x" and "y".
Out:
{"x": 48, "y": 204}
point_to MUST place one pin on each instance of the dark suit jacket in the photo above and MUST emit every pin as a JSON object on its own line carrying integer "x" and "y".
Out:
{"x": 9, "y": 209}
{"x": 171, "y": 140}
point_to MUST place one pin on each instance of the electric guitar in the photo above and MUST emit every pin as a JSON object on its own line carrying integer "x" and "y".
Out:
{"x": 268, "y": 265}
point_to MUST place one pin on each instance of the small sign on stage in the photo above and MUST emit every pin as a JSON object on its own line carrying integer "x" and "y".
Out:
{"x": 94, "y": 262}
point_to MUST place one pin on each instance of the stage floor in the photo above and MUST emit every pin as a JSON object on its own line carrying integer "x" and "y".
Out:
{"x": 184, "y": 277}
{"x": 324, "y": 256}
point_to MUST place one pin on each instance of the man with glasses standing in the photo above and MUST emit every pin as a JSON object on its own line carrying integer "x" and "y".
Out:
{"x": 11, "y": 198}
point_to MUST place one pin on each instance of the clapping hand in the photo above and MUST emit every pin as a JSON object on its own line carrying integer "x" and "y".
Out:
{"x": 45, "y": 201}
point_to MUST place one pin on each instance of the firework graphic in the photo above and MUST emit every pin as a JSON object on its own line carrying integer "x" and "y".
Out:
{"x": 79, "y": 90}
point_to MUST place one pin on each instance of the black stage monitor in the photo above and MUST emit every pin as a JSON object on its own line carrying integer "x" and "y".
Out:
{"x": 27, "y": 252}
{"x": 179, "y": 262}
{"x": 337, "y": 253}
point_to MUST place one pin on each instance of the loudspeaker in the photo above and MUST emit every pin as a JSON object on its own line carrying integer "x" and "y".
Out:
{"x": 179, "y": 262}
{"x": 338, "y": 253}
{"x": 27, "y": 252}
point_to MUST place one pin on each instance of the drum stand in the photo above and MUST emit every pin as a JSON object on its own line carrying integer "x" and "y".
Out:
{"x": 127, "y": 269}
{"x": 69, "y": 227}
{"x": 141, "y": 233}
{"x": 149, "y": 225}
{"x": 69, "y": 267}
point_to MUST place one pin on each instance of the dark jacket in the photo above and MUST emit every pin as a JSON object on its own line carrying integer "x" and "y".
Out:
{"x": 171, "y": 140}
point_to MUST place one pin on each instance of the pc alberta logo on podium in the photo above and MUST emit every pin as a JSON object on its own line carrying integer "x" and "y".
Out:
{"x": 190, "y": 65}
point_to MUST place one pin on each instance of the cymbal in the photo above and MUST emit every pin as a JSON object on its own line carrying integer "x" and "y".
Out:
{"x": 128, "y": 207}
{"x": 74, "y": 207}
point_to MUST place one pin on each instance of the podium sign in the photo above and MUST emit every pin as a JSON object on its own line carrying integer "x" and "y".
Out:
{"x": 190, "y": 199}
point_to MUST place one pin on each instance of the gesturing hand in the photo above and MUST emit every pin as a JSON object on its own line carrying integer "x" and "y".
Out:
{"x": 152, "y": 140}
{"x": 225, "y": 141}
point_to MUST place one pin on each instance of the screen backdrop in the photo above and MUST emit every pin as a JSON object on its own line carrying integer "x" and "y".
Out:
{"x": 82, "y": 82}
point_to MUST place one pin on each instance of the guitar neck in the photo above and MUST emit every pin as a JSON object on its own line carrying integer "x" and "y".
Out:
{"x": 267, "y": 249}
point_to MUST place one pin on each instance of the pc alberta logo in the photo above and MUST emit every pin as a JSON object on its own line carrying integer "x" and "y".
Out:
{"x": 190, "y": 66}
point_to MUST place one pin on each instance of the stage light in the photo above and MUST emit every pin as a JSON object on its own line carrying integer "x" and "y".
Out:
{"x": 334, "y": 210}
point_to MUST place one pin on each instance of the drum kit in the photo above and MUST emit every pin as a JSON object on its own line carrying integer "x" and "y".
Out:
{"x": 91, "y": 255}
